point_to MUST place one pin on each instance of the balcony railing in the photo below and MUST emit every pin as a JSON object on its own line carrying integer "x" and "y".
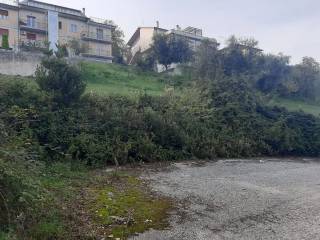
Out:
{"x": 32, "y": 45}
{"x": 96, "y": 36}
{"x": 33, "y": 25}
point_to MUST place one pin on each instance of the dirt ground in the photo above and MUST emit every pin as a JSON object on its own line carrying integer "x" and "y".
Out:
{"x": 240, "y": 199}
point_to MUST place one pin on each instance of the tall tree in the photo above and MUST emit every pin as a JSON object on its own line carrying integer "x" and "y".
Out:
{"x": 168, "y": 49}
{"x": 207, "y": 61}
{"x": 306, "y": 76}
{"x": 119, "y": 48}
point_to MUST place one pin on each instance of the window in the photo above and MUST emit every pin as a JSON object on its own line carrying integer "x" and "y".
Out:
{"x": 4, "y": 14}
{"x": 99, "y": 34}
{"x": 60, "y": 25}
{"x": 73, "y": 28}
{"x": 31, "y": 36}
{"x": 31, "y": 21}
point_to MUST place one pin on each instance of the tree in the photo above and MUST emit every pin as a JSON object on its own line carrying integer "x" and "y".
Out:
{"x": 145, "y": 62}
{"x": 77, "y": 47}
{"x": 168, "y": 49}
{"x": 240, "y": 56}
{"x": 62, "y": 51}
{"x": 119, "y": 48}
{"x": 60, "y": 80}
{"x": 306, "y": 76}
{"x": 207, "y": 60}
{"x": 274, "y": 71}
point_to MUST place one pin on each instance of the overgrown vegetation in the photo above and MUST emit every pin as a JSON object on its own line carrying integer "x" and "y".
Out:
{"x": 52, "y": 134}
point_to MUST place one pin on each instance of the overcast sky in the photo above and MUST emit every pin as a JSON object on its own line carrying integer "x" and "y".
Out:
{"x": 288, "y": 26}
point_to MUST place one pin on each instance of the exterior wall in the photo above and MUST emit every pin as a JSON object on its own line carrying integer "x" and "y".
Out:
{"x": 144, "y": 41}
{"x": 92, "y": 30}
{"x": 36, "y": 36}
{"x": 11, "y": 24}
{"x": 41, "y": 17}
{"x": 40, "y": 29}
{"x": 65, "y": 34}
{"x": 99, "y": 45}
{"x": 100, "y": 49}
{"x": 23, "y": 64}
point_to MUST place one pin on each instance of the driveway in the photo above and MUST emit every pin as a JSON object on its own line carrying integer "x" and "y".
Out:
{"x": 240, "y": 199}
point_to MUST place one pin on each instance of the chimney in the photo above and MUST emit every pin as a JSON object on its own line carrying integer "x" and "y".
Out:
{"x": 84, "y": 11}
{"x": 178, "y": 28}
{"x": 158, "y": 24}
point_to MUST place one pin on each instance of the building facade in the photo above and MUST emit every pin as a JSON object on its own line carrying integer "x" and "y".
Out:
{"x": 142, "y": 39}
{"x": 31, "y": 25}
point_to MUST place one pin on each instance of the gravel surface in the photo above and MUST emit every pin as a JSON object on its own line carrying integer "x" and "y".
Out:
{"x": 239, "y": 199}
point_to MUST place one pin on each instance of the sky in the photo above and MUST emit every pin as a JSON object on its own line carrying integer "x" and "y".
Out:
{"x": 287, "y": 26}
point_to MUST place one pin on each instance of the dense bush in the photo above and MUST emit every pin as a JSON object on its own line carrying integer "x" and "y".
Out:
{"x": 225, "y": 120}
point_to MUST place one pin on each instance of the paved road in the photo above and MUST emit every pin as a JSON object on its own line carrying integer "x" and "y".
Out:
{"x": 269, "y": 199}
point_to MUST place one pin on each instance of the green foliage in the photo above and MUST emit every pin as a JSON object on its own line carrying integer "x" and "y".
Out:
{"x": 219, "y": 117}
{"x": 60, "y": 80}
{"x": 62, "y": 51}
{"x": 5, "y": 41}
{"x": 207, "y": 62}
{"x": 295, "y": 105}
{"x": 168, "y": 49}
{"x": 77, "y": 47}
{"x": 145, "y": 62}
{"x": 270, "y": 74}
{"x": 119, "y": 48}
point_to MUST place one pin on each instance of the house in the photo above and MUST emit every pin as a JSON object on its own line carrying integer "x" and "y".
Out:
{"x": 142, "y": 39}
{"x": 31, "y": 24}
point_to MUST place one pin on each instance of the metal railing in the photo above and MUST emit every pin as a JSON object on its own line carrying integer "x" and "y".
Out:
{"x": 32, "y": 45}
{"x": 31, "y": 24}
{"x": 97, "y": 53}
{"x": 96, "y": 36}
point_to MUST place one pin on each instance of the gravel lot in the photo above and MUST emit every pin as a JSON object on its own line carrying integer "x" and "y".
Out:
{"x": 240, "y": 199}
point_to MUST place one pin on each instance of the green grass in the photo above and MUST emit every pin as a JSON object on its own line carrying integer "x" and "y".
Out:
{"x": 294, "y": 105}
{"x": 112, "y": 79}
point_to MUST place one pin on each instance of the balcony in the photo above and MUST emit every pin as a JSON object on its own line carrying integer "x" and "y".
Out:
{"x": 33, "y": 45}
{"x": 96, "y": 37}
{"x": 98, "y": 54}
{"x": 33, "y": 26}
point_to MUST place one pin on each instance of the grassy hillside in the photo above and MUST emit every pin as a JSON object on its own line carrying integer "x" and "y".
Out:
{"x": 293, "y": 105}
{"x": 111, "y": 79}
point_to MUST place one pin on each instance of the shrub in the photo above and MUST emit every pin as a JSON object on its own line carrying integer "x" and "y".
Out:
{"x": 61, "y": 80}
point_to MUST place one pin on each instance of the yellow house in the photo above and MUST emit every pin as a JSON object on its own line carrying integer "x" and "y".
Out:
{"x": 9, "y": 26}
{"x": 142, "y": 39}
{"x": 38, "y": 24}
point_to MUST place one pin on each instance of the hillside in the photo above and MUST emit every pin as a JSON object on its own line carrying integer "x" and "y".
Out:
{"x": 111, "y": 79}
{"x": 293, "y": 105}
{"x": 54, "y": 138}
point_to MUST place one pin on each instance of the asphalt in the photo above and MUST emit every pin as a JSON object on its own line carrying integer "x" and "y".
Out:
{"x": 240, "y": 199}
